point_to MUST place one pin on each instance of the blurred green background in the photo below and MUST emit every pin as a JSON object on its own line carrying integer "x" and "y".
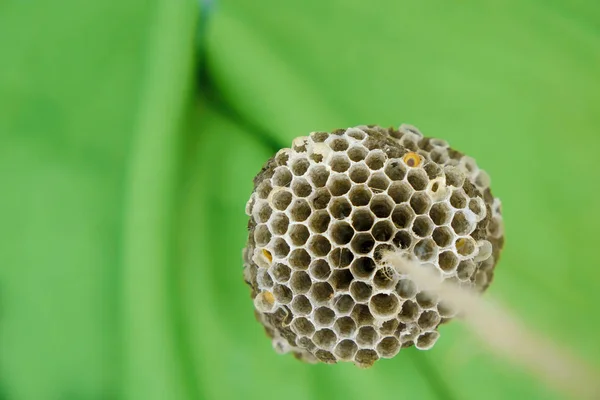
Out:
{"x": 129, "y": 135}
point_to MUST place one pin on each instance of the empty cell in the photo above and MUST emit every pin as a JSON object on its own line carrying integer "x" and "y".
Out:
{"x": 324, "y": 316}
{"x": 465, "y": 246}
{"x": 338, "y": 144}
{"x": 356, "y": 133}
{"x": 300, "y": 210}
{"x": 448, "y": 261}
{"x": 299, "y": 234}
{"x": 426, "y": 299}
{"x": 388, "y": 347}
{"x": 281, "y": 272}
{"x": 264, "y": 279}
{"x": 402, "y": 240}
{"x": 442, "y": 236}
{"x": 301, "y": 305}
{"x": 440, "y": 213}
{"x": 477, "y": 206}
{"x": 299, "y": 259}
{"x": 280, "y": 247}
{"x": 381, "y": 205}
{"x": 264, "y": 189}
{"x": 482, "y": 179}
{"x": 325, "y": 356}
{"x": 426, "y": 340}
{"x": 406, "y": 289}
{"x": 403, "y": 216}
{"x": 319, "y": 137}
{"x": 262, "y": 212}
{"x": 454, "y": 176}
{"x": 301, "y": 187}
{"x": 299, "y": 144}
{"x": 461, "y": 224}
{"x": 420, "y": 202}
{"x": 422, "y": 226}
{"x": 439, "y": 155}
{"x": 363, "y": 268}
{"x": 360, "y": 291}
{"x": 320, "y": 269}
{"x": 340, "y": 208}
{"x": 325, "y": 338}
{"x": 322, "y": 292}
{"x": 319, "y": 245}
{"x": 262, "y": 236}
{"x": 321, "y": 198}
{"x": 418, "y": 179}
{"x": 302, "y": 326}
{"x": 395, "y": 170}
{"x": 429, "y": 319}
{"x": 341, "y": 257}
{"x": 366, "y": 336}
{"x": 362, "y": 243}
{"x": 362, "y": 220}
{"x": 389, "y": 327}
{"x": 425, "y": 250}
{"x": 365, "y": 357}
{"x": 339, "y": 184}
{"x": 379, "y": 182}
{"x": 318, "y": 175}
{"x": 357, "y": 153}
{"x": 458, "y": 199}
{"x": 361, "y": 315}
{"x": 341, "y": 232}
{"x": 343, "y": 304}
{"x": 400, "y": 192}
{"x": 340, "y": 279}
{"x": 384, "y": 305}
{"x": 305, "y": 343}
{"x": 300, "y": 166}
{"x": 433, "y": 170}
{"x": 282, "y": 294}
{"x": 282, "y": 177}
{"x": 359, "y": 173}
{"x": 360, "y": 195}
{"x": 465, "y": 270}
{"x": 346, "y": 349}
{"x": 339, "y": 163}
{"x": 300, "y": 282}
{"x": 383, "y": 278}
{"x": 319, "y": 221}
{"x": 344, "y": 326}
{"x": 282, "y": 157}
{"x": 375, "y": 159}
{"x": 409, "y": 311}
{"x": 279, "y": 224}
{"x": 281, "y": 199}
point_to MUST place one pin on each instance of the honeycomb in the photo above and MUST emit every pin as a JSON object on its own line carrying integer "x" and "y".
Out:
{"x": 322, "y": 213}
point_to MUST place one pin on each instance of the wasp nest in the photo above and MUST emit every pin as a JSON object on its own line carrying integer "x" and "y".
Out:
{"x": 321, "y": 215}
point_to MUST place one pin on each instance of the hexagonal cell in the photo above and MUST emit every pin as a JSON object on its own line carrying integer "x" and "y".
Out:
{"x": 343, "y": 304}
{"x": 318, "y": 175}
{"x": 389, "y": 327}
{"x": 346, "y": 349}
{"x": 426, "y": 250}
{"x": 379, "y": 182}
{"x": 365, "y": 357}
{"x": 319, "y": 221}
{"x": 384, "y": 305}
{"x": 322, "y": 292}
{"x": 362, "y": 220}
{"x": 381, "y": 249}
{"x": 300, "y": 282}
{"x": 320, "y": 269}
{"x": 461, "y": 224}
{"x": 402, "y": 240}
{"x": 280, "y": 247}
{"x": 465, "y": 246}
{"x": 362, "y": 243}
{"x": 400, "y": 192}
{"x": 363, "y": 268}
{"x": 429, "y": 319}
{"x": 282, "y": 177}
{"x": 279, "y": 224}
{"x": 340, "y": 257}
{"x": 440, "y": 213}
{"x": 341, "y": 232}
{"x": 264, "y": 302}
{"x": 360, "y": 195}
{"x": 303, "y": 327}
{"x": 383, "y": 278}
{"x": 445, "y": 310}
{"x": 465, "y": 270}
{"x": 357, "y": 153}
{"x": 300, "y": 210}
{"x": 359, "y": 173}
{"x": 344, "y": 326}
{"x": 409, "y": 311}
{"x": 383, "y": 231}
{"x": 264, "y": 189}
{"x": 264, "y": 279}
{"x": 340, "y": 279}
{"x": 381, "y": 205}
{"x": 338, "y": 144}
{"x": 282, "y": 294}
{"x": 281, "y": 199}
{"x": 366, "y": 336}
{"x": 319, "y": 137}
{"x": 340, "y": 208}
{"x": 439, "y": 155}
{"x": 482, "y": 179}
{"x": 321, "y": 199}
{"x": 403, "y": 216}
{"x": 305, "y": 343}
{"x": 395, "y": 170}
{"x": 301, "y": 187}
{"x": 375, "y": 159}
{"x": 262, "y": 236}
{"x": 420, "y": 202}
{"x": 388, "y": 347}
{"x": 300, "y": 166}
{"x": 477, "y": 205}
{"x": 360, "y": 291}
{"x": 418, "y": 179}
{"x": 442, "y": 236}
{"x": 433, "y": 170}
{"x": 361, "y": 315}
{"x": 299, "y": 144}
{"x": 301, "y": 305}
{"x": 299, "y": 259}
{"x": 339, "y": 163}
{"x": 281, "y": 272}
{"x": 298, "y": 234}
{"x": 406, "y": 289}
{"x": 423, "y": 226}
{"x": 427, "y": 299}
{"x": 454, "y": 176}
{"x": 448, "y": 261}
{"x": 282, "y": 156}
{"x": 356, "y": 133}
{"x": 324, "y": 316}
{"x": 339, "y": 184}
{"x": 319, "y": 246}
{"x": 325, "y": 338}
{"x": 426, "y": 340}
{"x": 262, "y": 212}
